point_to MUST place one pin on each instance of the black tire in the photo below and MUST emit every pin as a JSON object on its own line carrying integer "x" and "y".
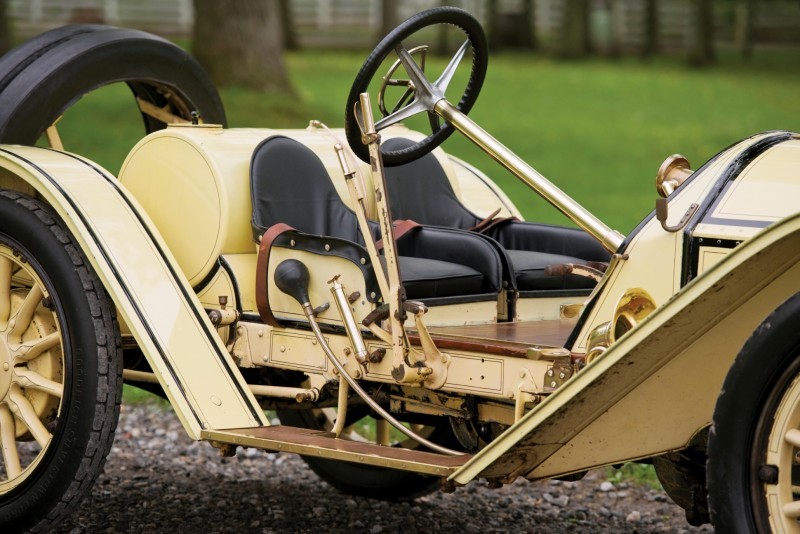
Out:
{"x": 737, "y": 470}
{"x": 82, "y": 430}
{"x": 16, "y": 60}
{"x": 480, "y": 60}
{"x": 365, "y": 480}
{"x": 155, "y": 69}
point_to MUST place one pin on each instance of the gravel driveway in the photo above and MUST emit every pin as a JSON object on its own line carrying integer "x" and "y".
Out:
{"x": 157, "y": 480}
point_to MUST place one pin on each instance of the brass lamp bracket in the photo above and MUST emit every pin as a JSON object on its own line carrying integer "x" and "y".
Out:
{"x": 662, "y": 212}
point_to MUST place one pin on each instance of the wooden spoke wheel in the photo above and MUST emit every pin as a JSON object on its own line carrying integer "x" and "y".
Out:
{"x": 60, "y": 368}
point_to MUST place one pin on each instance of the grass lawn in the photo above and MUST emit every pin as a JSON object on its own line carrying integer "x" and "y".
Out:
{"x": 596, "y": 128}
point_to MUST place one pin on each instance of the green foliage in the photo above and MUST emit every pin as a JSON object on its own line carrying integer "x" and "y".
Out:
{"x": 597, "y": 129}
{"x": 134, "y": 395}
{"x": 641, "y": 474}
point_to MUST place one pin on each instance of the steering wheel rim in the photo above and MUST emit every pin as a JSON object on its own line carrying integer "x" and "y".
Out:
{"x": 438, "y": 15}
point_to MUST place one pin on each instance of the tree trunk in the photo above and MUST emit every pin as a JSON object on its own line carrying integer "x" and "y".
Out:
{"x": 513, "y": 30}
{"x": 745, "y": 11}
{"x": 443, "y": 34}
{"x": 493, "y": 25}
{"x": 701, "y": 48}
{"x": 5, "y": 28}
{"x": 650, "y": 23}
{"x": 287, "y": 24}
{"x": 616, "y": 20}
{"x": 575, "y": 39}
{"x": 240, "y": 43}
{"x": 529, "y": 14}
{"x": 389, "y": 18}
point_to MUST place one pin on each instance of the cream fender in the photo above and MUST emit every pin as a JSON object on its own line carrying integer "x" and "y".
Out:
{"x": 151, "y": 294}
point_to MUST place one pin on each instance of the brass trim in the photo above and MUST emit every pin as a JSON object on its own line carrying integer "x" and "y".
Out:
{"x": 672, "y": 173}
{"x": 610, "y": 239}
{"x": 631, "y": 309}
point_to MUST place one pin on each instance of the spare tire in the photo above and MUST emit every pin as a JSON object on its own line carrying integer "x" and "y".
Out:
{"x": 17, "y": 59}
{"x": 71, "y": 61}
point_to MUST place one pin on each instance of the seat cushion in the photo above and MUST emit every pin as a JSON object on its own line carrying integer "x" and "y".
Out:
{"x": 424, "y": 278}
{"x": 529, "y": 271}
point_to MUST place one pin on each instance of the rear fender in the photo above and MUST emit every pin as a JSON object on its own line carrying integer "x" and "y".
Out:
{"x": 202, "y": 383}
{"x": 656, "y": 387}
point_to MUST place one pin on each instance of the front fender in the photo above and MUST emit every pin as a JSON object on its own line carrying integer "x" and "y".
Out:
{"x": 141, "y": 276}
{"x": 656, "y": 387}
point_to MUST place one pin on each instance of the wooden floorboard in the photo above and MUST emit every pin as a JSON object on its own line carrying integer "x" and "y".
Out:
{"x": 510, "y": 339}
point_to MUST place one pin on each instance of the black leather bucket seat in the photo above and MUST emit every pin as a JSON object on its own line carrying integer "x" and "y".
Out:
{"x": 290, "y": 185}
{"x": 421, "y": 191}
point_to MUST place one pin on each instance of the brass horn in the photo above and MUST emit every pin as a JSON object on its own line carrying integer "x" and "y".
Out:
{"x": 632, "y": 307}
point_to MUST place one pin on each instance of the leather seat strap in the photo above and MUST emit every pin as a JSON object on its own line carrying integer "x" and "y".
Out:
{"x": 262, "y": 264}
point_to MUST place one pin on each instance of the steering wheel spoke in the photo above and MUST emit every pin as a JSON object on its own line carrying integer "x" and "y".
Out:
{"x": 423, "y": 89}
{"x": 447, "y": 75}
{"x": 422, "y": 93}
{"x": 410, "y": 110}
{"x": 434, "y": 121}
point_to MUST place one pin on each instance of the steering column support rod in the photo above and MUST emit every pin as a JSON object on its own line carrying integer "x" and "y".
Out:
{"x": 610, "y": 239}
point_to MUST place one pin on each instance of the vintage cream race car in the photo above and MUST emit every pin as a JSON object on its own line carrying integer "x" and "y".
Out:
{"x": 409, "y": 329}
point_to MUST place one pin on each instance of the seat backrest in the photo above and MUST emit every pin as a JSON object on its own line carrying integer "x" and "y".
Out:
{"x": 421, "y": 191}
{"x": 290, "y": 185}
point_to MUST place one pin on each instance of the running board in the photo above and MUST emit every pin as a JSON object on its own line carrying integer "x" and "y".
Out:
{"x": 324, "y": 445}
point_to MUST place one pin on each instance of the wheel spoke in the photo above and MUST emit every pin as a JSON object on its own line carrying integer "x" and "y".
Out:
{"x": 24, "y": 410}
{"x": 433, "y": 120}
{"x": 6, "y": 270}
{"x": 409, "y": 111}
{"x": 792, "y": 437}
{"x": 29, "y": 351}
{"x": 22, "y": 321}
{"x": 402, "y": 101}
{"x": 792, "y": 509}
{"x": 414, "y": 71}
{"x": 450, "y": 70}
{"x": 53, "y": 139}
{"x": 8, "y": 443}
{"x": 33, "y": 380}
